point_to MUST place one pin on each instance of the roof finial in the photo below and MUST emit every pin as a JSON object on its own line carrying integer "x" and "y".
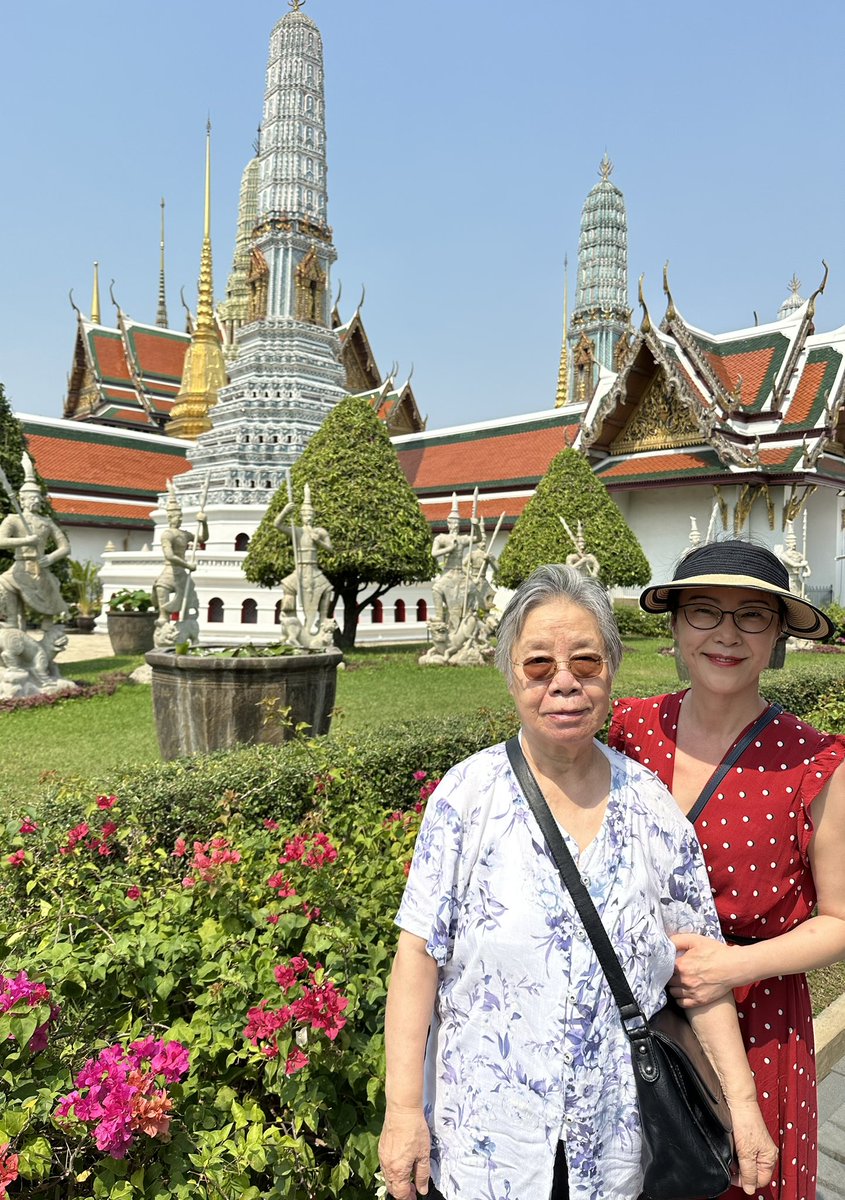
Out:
{"x": 296, "y": 5}
{"x": 563, "y": 369}
{"x": 95, "y": 297}
{"x": 161, "y": 311}
{"x": 645, "y": 324}
{"x": 605, "y": 166}
{"x": 670, "y": 303}
{"x": 794, "y": 284}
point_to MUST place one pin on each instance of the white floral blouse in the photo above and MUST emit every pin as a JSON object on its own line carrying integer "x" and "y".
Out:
{"x": 526, "y": 1045}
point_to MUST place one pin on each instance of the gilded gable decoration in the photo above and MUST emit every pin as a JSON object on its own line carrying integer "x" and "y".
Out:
{"x": 258, "y": 280}
{"x": 662, "y": 420}
{"x": 798, "y": 497}
{"x": 584, "y": 368}
{"x": 310, "y": 290}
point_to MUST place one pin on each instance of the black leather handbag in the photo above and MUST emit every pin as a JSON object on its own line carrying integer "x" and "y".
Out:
{"x": 687, "y": 1144}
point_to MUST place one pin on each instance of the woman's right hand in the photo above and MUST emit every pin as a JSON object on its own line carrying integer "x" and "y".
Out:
{"x": 756, "y": 1153}
{"x": 404, "y": 1151}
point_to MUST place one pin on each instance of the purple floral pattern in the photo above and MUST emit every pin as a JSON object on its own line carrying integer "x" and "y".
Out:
{"x": 526, "y": 1046}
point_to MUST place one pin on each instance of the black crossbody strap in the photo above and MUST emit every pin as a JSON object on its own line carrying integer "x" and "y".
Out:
{"x": 774, "y": 710}
{"x": 622, "y": 994}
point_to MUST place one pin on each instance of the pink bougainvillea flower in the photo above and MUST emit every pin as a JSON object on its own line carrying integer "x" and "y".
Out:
{"x": 8, "y": 1168}
{"x": 312, "y": 912}
{"x": 269, "y": 823}
{"x": 281, "y": 885}
{"x": 17, "y": 859}
{"x": 20, "y": 989}
{"x": 133, "y": 892}
{"x": 108, "y": 829}
{"x": 180, "y": 848}
{"x": 106, "y": 801}
{"x": 406, "y": 867}
{"x": 420, "y": 775}
{"x": 296, "y": 1060}
{"x": 119, "y": 1093}
{"x": 29, "y": 826}
{"x": 272, "y": 918}
{"x": 188, "y": 882}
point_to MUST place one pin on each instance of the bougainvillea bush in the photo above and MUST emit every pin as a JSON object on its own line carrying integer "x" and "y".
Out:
{"x": 199, "y": 1017}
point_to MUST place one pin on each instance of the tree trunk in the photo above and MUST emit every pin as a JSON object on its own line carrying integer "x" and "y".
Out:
{"x": 345, "y": 637}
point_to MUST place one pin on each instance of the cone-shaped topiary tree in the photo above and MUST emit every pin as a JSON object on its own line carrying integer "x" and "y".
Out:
{"x": 379, "y": 535}
{"x": 569, "y": 489}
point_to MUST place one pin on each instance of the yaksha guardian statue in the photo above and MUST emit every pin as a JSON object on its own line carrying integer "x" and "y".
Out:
{"x": 26, "y": 531}
{"x": 305, "y": 590}
{"x": 174, "y": 589}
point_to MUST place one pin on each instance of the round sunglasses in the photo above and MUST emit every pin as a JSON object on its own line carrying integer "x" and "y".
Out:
{"x": 543, "y": 666}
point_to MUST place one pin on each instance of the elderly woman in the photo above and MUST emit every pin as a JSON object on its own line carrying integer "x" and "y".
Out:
{"x": 508, "y": 1070}
{"x": 772, "y": 830}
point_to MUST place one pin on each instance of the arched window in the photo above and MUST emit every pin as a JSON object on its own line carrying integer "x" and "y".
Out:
{"x": 422, "y": 610}
{"x": 215, "y": 609}
{"x": 399, "y": 612}
{"x": 249, "y": 612}
{"x": 378, "y": 612}
{"x": 277, "y": 613}
{"x": 242, "y": 541}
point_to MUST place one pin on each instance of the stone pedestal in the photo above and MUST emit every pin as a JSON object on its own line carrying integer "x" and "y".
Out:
{"x": 202, "y": 704}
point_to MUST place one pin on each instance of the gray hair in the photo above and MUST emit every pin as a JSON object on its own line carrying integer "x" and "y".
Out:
{"x": 556, "y": 581}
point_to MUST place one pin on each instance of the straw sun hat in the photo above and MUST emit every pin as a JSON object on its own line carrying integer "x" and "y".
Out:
{"x": 740, "y": 565}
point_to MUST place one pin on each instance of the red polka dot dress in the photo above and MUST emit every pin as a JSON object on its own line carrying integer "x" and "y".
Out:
{"x": 755, "y": 832}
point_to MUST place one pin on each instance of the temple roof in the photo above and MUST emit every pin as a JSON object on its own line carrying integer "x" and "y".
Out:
{"x": 97, "y": 475}
{"x": 763, "y": 404}
{"x": 505, "y": 461}
{"x": 125, "y": 376}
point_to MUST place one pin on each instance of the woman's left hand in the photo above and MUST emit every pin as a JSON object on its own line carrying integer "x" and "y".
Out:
{"x": 755, "y": 1151}
{"x": 704, "y": 970}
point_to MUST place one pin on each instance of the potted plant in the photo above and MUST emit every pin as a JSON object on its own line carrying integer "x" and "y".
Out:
{"x": 131, "y": 621}
{"x": 85, "y": 590}
{"x": 207, "y": 698}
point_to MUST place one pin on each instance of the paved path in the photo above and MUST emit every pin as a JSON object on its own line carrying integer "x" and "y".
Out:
{"x": 82, "y": 646}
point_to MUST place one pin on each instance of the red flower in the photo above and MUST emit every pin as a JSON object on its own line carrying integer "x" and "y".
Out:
{"x": 180, "y": 848}
{"x": 133, "y": 893}
{"x": 106, "y": 801}
{"x": 108, "y": 829}
{"x": 406, "y": 867}
{"x": 420, "y": 775}
{"x": 269, "y": 823}
{"x": 29, "y": 826}
{"x": 273, "y": 919}
{"x": 296, "y": 1060}
{"x": 16, "y": 859}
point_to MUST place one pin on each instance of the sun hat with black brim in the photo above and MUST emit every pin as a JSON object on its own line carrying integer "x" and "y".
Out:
{"x": 740, "y": 565}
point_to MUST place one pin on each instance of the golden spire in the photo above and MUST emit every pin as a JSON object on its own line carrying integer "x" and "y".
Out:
{"x": 605, "y": 166}
{"x": 204, "y": 372}
{"x": 563, "y": 370}
{"x": 95, "y": 297}
{"x": 161, "y": 311}
{"x": 295, "y": 5}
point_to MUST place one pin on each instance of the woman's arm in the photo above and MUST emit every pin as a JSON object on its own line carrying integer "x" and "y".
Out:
{"x": 717, "y": 1028}
{"x": 706, "y": 969}
{"x": 404, "y": 1145}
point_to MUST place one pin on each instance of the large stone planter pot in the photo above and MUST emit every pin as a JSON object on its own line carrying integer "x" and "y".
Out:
{"x": 131, "y": 632}
{"x": 205, "y": 704}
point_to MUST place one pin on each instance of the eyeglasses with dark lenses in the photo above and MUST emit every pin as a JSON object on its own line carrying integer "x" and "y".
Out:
{"x": 751, "y": 618}
{"x": 543, "y": 666}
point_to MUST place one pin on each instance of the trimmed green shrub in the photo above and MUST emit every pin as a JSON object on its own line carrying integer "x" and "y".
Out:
{"x": 633, "y": 622}
{"x": 569, "y": 489}
{"x": 379, "y": 535}
{"x": 187, "y": 795}
{"x": 836, "y": 612}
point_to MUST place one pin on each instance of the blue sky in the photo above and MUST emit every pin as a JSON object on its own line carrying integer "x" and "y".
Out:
{"x": 462, "y": 141}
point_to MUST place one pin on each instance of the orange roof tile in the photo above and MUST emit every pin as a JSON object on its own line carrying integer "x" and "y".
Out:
{"x": 65, "y": 506}
{"x": 806, "y": 393}
{"x": 751, "y": 366}
{"x": 159, "y": 355}
{"x": 112, "y": 464}
{"x": 776, "y": 456}
{"x": 483, "y": 458}
{"x": 110, "y": 357}
{"x": 657, "y": 465}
